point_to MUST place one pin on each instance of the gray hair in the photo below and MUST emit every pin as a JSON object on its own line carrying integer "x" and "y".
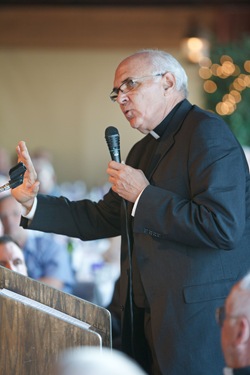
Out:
{"x": 162, "y": 62}
{"x": 245, "y": 282}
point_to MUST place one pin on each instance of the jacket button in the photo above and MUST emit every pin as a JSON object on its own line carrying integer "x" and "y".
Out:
{"x": 122, "y": 307}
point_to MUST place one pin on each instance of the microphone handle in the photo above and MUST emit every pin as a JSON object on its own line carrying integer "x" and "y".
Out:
{"x": 115, "y": 155}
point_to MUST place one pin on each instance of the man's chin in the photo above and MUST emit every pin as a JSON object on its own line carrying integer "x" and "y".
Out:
{"x": 134, "y": 124}
{"x": 137, "y": 126}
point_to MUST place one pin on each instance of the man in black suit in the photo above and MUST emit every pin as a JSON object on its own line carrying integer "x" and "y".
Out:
{"x": 181, "y": 204}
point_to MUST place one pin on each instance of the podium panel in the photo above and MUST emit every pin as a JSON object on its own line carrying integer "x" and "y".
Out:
{"x": 37, "y": 322}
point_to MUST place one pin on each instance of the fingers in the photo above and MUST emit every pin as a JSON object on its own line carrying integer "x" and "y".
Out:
{"x": 114, "y": 168}
{"x": 23, "y": 155}
{"x": 115, "y": 165}
{"x": 126, "y": 181}
{"x": 35, "y": 188}
{"x": 21, "y": 149}
{"x": 22, "y": 152}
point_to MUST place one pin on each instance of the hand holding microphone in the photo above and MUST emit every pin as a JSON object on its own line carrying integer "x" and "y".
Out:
{"x": 27, "y": 191}
{"x": 16, "y": 174}
{"x": 126, "y": 181}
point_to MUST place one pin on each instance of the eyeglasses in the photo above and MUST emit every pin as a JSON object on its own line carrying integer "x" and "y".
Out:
{"x": 221, "y": 315}
{"x": 130, "y": 84}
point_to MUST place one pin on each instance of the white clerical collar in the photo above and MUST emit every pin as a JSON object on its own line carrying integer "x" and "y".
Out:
{"x": 154, "y": 134}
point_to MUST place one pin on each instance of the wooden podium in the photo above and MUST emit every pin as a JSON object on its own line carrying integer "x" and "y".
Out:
{"x": 37, "y": 322}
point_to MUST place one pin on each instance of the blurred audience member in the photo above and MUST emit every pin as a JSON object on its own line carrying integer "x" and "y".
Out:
{"x": 5, "y": 162}
{"x": 3, "y": 181}
{"x": 234, "y": 319}
{"x": 47, "y": 258}
{"x": 11, "y": 255}
{"x": 46, "y": 175}
{"x": 96, "y": 361}
{"x": 96, "y": 269}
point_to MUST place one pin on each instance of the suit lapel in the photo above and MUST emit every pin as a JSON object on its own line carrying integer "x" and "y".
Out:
{"x": 167, "y": 140}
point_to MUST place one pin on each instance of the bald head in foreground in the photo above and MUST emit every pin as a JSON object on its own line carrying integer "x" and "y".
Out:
{"x": 96, "y": 361}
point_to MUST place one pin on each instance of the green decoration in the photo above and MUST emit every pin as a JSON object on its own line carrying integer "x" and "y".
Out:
{"x": 227, "y": 85}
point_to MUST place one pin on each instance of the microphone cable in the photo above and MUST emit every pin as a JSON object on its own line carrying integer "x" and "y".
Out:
{"x": 130, "y": 276}
{"x": 113, "y": 141}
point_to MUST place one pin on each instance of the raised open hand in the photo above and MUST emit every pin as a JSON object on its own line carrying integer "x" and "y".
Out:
{"x": 27, "y": 191}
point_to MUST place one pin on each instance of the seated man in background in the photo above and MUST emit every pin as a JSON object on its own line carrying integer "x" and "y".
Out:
{"x": 11, "y": 256}
{"x": 46, "y": 174}
{"x": 5, "y": 161}
{"x": 47, "y": 258}
{"x": 234, "y": 319}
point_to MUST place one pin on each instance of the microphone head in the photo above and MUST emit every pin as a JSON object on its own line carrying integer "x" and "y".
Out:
{"x": 110, "y": 131}
{"x": 113, "y": 140}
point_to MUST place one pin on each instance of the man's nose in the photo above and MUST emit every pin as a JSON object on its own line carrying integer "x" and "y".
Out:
{"x": 122, "y": 97}
{"x": 10, "y": 266}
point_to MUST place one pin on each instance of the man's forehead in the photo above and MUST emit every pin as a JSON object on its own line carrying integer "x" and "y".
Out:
{"x": 6, "y": 251}
{"x": 131, "y": 67}
{"x": 13, "y": 249}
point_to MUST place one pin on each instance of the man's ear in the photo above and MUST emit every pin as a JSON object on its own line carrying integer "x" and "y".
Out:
{"x": 243, "y": 331}
{"x": 169, "y": 80}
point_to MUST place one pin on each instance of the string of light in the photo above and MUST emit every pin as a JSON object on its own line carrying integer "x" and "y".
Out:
{"x": 240, "y": 80}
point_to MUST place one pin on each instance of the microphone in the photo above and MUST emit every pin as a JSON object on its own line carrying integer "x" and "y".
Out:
{"x": 113, "y": 140}
{"x": 16, "y": 177}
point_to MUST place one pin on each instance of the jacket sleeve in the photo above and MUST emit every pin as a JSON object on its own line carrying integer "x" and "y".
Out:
{"x": 83, "y": 219}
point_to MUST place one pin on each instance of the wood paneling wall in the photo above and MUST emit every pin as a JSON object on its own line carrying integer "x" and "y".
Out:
{"x": 99, "y": 27}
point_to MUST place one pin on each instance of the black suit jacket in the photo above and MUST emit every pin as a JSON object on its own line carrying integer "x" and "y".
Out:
{"x": 191, "y": 234}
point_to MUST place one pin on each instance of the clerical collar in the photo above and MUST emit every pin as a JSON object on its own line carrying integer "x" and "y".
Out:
{"x": 159, "y": 130}
{"x": 154, "y": 134}
{"x": 237, "y": 371}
